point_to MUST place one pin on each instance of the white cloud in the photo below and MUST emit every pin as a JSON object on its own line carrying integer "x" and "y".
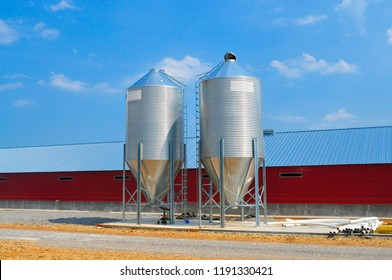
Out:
{"x": 295, "y": 68}
{"x": 312, "y": 19}
{"x": 63, "y": 5}
{"x": 353, "y": 11}
{"x": 389, "y": 33}
{"x": 23, "y": 103}
{"x": 309, "y": 20}
{"x": 16, "y": 76}
{"x": 186, "y": 69}
{"x": 46, "y": 33}
{"x": 10, "y": 86}
{"x": 286, "y": 70}
{"x": 339, "y": 119}
{"x": 63, "y": 82}
{"x": 50, "y": 33}
{"x": 8, "y": 35}
{"x": 341, "y": 114}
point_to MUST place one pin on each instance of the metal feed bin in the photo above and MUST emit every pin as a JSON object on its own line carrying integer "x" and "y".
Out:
{"x": 230, "y": 120}
{"x": 154, "y": 133}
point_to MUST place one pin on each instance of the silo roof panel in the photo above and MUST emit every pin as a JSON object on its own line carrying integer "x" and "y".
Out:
{"x": 229, "y": 68}
{"x": 155, "y": 77}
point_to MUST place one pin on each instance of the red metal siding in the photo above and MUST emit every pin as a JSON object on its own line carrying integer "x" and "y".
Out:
{"x": 336, "y": 184}
{"x": 339, "y": 184}
{"x": 85, "y": 186}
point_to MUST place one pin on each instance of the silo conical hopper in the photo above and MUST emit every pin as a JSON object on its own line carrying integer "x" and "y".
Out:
{"x": 155, "y": 118}
{"x": 230, "y": 107}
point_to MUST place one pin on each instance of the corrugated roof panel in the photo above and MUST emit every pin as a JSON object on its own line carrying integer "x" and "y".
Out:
{"x": 82, "y": 157}
{"x": 300, "y": 148}
{"x": 191, "y": 158}
{"x": 329, "y": 147}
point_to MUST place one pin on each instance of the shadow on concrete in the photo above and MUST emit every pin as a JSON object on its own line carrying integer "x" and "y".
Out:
{"x": 87, "y": 221}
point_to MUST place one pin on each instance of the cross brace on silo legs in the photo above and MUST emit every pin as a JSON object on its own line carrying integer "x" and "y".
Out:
{"x": 138, "y": 191}
{"x": 259, "y": 199}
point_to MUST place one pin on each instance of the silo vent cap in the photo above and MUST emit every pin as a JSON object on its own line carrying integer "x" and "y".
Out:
{"x": 230, "y": 56}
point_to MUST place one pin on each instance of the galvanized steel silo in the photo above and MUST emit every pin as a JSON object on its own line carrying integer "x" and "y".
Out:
{"x": 230, "y": 107}
{"x": 154, "y": 118}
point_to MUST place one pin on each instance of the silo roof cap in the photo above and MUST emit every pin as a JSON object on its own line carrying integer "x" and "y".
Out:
{"x": 156, "y": 77}
{"x": 230, "y": 56}
{"x": 228, "y": 68}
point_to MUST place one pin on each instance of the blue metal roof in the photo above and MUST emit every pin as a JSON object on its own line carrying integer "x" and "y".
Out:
{"x": 81, "y": 157}
{"x": 298, "y": 148}
{"x": 329, "y": 147}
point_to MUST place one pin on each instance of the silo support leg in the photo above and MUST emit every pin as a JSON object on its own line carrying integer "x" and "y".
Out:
{"x": 265, "y": 191}
{"x": 171, "y": 192}
{"x": 222, "y": 185}
{"x": 199, "y": 183}
{"x": 256, "y": 163}
{"x": 139, "y": 185}
{"x": 123, "y": 187}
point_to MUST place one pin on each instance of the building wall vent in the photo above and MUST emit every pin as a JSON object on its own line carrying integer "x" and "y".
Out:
{"x": 65, "y": 178}
{"x": 291, "y": 175}
{"x": 120, "y": 177}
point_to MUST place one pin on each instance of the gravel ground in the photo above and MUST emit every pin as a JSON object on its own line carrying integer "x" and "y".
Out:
{"x": 59, "y": 217}
{"x": 197, "y": 248}
{"x": 159, "y": 244}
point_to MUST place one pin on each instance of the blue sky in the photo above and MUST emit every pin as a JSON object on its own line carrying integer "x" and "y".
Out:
{"x": 65, "y": 65}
